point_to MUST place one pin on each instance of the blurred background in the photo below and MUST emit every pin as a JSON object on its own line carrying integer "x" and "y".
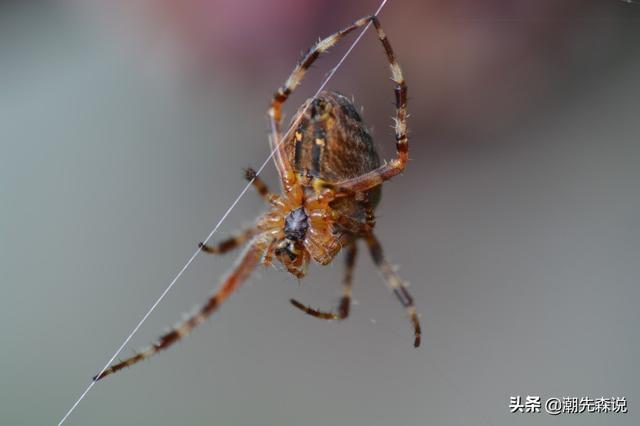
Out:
{"x": 124, "y": 129}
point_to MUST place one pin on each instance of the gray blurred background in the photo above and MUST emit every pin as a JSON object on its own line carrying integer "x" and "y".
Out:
{"x": 124, "y": 128}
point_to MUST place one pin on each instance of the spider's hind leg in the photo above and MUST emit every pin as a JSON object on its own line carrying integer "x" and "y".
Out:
{"x": 396, "y": 285}
{"x": 345, "y": 301}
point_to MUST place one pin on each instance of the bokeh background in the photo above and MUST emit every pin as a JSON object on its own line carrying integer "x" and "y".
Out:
{"x": 124, "y": 128}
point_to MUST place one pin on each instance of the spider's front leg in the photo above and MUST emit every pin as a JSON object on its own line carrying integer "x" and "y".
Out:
{"x": 245, "y": 266}
{"x": 345, "y": 302}
{"x": 285, "y": 169}
{"x": 397, "y": 165}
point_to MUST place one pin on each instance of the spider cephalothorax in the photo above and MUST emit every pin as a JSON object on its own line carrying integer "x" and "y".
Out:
{"x": 296, "y": 224}
{"x": 301, "y": 229}
{"x": 330, "y": 176}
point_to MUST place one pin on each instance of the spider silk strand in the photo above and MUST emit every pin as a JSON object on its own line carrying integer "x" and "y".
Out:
{"x": 277, "y": 144}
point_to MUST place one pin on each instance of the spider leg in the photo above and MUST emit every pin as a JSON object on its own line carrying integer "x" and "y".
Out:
{"x": 230, "y": 243}
{"x": 239, "y": 239}
{"x": 345, "y": 302}
{"x": 261, "y": 188}
{"x": 285, "y": 169}
{"x": 350, "y": 260}
{"x": 397, "y": 165}
{"x": 238, "y": 275}
{"x": 314, "y": 312}
{"x": 395, "y": 284}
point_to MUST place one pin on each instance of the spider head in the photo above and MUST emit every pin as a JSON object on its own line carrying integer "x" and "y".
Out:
{"x": 290, "y": 250}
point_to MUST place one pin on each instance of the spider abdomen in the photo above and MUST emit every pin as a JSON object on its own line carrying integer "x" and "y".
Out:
{"x": 332, "y": 143}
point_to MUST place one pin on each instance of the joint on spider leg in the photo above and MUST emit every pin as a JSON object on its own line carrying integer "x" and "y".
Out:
{"x": 210, "y": 249}
{"x": 324, "y": 45}
{"x": 396, "y": 73}
{"x": 221, "y": 247}
{"x": 376, "y": 23}
{"x": 401, "y": 95}
{"x": 343, "y": 308}
{"x": 401, "y": 144}
{"x": 364, "y": 21}
{"x": 250, "y": 174}
{"x": 276, "y": 104}
{"x": 397, "y": 165}
{"x": 282, "y": 94}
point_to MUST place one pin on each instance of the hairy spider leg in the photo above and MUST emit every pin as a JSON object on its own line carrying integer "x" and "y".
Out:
{"x": 285, "y": 168}
{"x": 247, "y": 263}
{"x": 374, "y": 177}
{"x": 388, "y": 170}
{"x": 345, "y": 301}
{"x": 261, "y": 187}
{"x": 395, "y": 284}
{"x": 237, "y": 240}
{"x": 230, "y": 243}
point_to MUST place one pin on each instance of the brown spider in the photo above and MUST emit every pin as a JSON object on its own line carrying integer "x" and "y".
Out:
{"x": 331, "y": 179}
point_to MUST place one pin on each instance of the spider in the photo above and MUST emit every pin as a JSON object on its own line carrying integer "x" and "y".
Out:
{"x": 330, "y": 176}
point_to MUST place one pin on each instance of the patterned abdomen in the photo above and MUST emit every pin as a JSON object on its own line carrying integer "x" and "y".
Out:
{"x": 332, "y": 143}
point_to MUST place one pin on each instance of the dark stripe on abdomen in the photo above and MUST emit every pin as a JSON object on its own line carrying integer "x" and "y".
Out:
{"x": 298, "y": 153}
{"x": 319, "y": 140}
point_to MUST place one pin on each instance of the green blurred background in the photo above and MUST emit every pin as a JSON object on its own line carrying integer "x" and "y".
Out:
{"x": 124, "y": 129}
